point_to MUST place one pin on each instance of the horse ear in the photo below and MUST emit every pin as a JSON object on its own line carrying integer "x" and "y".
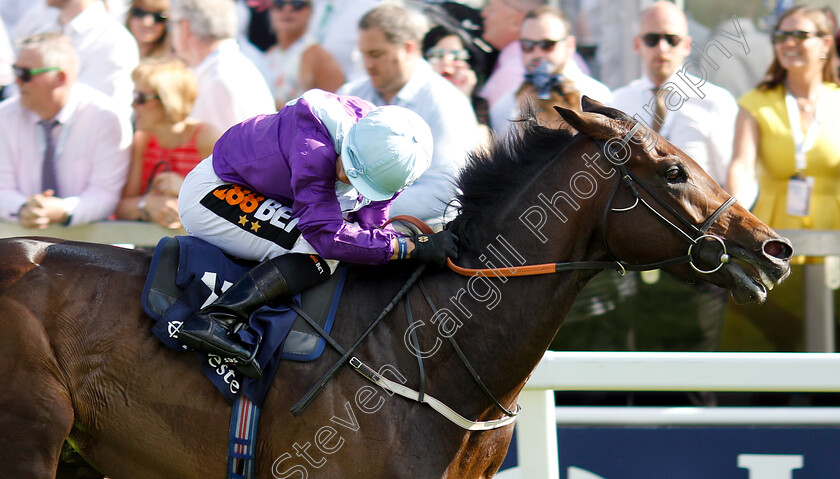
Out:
{"x": 589, "y": 104}
{"x": 593, "y": 106}
{"x": 590, "y": 124}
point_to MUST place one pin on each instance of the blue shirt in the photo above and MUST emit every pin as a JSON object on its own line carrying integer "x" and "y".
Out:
{"x": 451, "y": 118}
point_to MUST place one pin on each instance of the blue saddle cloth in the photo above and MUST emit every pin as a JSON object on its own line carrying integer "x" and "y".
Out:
{"x": 204, "y": 272}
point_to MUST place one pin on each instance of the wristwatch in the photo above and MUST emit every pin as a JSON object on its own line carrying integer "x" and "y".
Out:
{"x": 144, "y": 213}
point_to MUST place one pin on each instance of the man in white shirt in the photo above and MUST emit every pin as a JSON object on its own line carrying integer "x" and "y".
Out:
{"x": 334, "y": 23}
{"x": 698, "y": 117}
{"x": 107, "y": 51}
{"x": 502, "y": 21}
{"x": 230, "y": 87}
{"x": 546, "y": 42}
{"x": 64, "y": 146}
{"x": 390, "y": 39}
{"x": 11, "y": 11}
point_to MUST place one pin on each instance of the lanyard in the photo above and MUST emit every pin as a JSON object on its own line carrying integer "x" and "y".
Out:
{"x": 802, "y": 145}
{"x": 321, "y": 32}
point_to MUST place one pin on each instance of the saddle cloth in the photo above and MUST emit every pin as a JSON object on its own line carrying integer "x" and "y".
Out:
{"x": 188, "y": 273}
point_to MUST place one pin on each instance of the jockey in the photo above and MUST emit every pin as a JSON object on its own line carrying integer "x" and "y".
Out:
{"x": 300, "y": 190}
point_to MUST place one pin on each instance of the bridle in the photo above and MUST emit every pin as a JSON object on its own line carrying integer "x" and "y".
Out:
{"x": 693, "y": 234}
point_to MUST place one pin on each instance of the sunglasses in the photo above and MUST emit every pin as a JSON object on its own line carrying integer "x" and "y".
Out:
{"x": 141, "y": 98}
{"x": 297, "y": 5}
{"x": 781, "y": 36}
{"x": 653, "y": 39}
{"x": 25, "y": 74}
{"x": 545, "y": 44}
{"x": 439, "y": 54}
{"x": 158, "y": 17}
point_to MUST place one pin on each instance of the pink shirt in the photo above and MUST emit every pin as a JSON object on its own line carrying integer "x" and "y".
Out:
{"x": 93, "y": 145}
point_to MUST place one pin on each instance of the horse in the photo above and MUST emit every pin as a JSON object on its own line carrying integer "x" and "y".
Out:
{"x": 80, "y": 364}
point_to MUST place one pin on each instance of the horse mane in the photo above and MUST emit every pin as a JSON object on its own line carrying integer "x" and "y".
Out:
{"x": 493, "y": 175}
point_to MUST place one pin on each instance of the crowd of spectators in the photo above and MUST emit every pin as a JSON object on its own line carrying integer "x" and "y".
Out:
{"x": 390, "y": 40}
{"x": 107, "y": 105}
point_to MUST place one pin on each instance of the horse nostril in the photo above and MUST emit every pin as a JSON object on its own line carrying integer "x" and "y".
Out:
{"x": 780, "y": 249}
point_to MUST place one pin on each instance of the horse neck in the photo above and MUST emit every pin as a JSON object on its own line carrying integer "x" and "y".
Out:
{"x": 554, "y": 217}
{"x": 550, "y": 220}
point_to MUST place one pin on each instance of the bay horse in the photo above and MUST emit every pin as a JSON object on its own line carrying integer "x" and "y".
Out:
{"x": 79, "y": 362}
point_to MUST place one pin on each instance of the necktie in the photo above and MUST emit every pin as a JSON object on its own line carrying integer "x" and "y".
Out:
{"x": 661, "y": 110}
{"x": 48, "y": 176}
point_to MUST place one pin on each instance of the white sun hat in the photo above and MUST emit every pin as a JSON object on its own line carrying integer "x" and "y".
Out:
{"x": 386, "y": 151}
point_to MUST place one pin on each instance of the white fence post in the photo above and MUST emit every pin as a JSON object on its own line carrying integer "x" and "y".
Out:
{"x": 536, "y": 436}
{"x": 819, "y": 311}
{"x": 819, "y": 298}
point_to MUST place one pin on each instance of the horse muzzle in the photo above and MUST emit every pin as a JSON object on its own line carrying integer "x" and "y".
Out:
{"x": 751, "y": 274}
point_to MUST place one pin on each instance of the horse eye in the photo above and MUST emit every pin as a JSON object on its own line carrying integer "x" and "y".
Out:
{"x": 673, "y": 173}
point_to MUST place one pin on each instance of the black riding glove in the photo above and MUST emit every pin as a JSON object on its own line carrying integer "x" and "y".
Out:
{"x": 435, "y": 248}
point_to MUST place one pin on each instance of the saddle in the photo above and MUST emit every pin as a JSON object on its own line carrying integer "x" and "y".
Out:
{"x": 187, "y": 273}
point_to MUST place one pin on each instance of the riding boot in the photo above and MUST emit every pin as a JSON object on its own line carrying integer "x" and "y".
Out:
{"x": 213, "y": 328}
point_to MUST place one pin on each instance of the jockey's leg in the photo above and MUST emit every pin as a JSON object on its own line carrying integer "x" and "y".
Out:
{"x": 213, "y": 328}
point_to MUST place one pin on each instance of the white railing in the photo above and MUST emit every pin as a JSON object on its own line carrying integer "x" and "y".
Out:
{"x": 658, "y": 371}
{"x": 108, "y": 232}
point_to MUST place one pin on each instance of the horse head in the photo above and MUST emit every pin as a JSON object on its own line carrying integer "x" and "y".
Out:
{"x": 662, "y": 197}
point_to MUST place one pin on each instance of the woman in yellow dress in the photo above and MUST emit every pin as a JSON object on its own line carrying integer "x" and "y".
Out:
{"x": 798, "y": 169}
{"x": 787, "y": 135}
